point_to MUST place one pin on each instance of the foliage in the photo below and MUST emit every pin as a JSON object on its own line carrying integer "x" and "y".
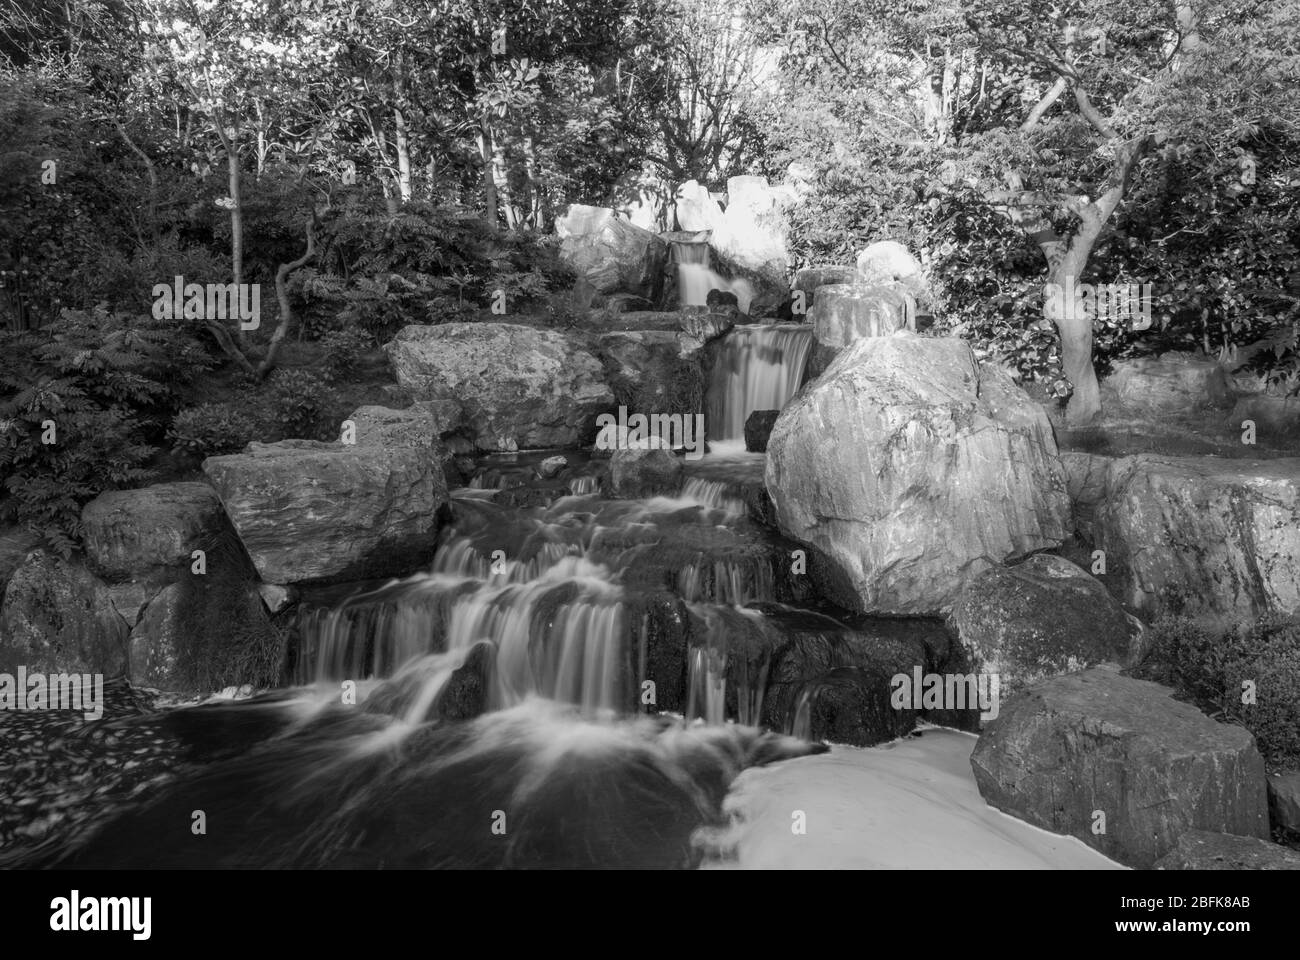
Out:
{"x": 341, "y": 349}
{"x": 103, "y": 383}
{"x": 296, "y": 401}
{"x": 1212, "y": 668}
{"x": 211, "y": 429}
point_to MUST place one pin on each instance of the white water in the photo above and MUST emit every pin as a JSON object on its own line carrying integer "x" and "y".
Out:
{"x": 758, "y": 367}
{"x": 695, "y": 278}
{"x": 909, "y": 805}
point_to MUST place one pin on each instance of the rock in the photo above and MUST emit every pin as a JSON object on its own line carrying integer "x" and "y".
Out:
{"x": 15, "y": 545}
{"x": 1096, "y": 741}
{"x": 753, "y": 230}
{"x": 59, "y": 617}
{"x": 149, "y": 533}
{"x": 614, "y": 255}
{"x": 1204, "y": 850}
{"x": 911, "y": 468}
{"x": 308, "y": 511}
{"x": 422, "y": 426}
{"x": 810, "y": 278}
{"x": 627, "y": 303}
{"x": 172, "y": 645}
{"x": 706, "y": 326}
{"x": 1284, "y": 801}
{"x": 887, "y": 260}
{"x": 276, "y": 596}
{"x": 758, "y": 427}
{"x": 1217, "y": 539}
{"x": 1037, "y": 620}
{"x": 695, "y": 208}
{"x": 540, "y": 388}
{"x": 1085, "y": 481}
{"x": 845, "y": 313}
{"x": 1175, "y": 384}
{"x": 639, "y": 473}
{"x": 551, "y": 467}
{"x": 1276, "y": 418}
{"x": 721, "y": 298}
{"x": 130, "y": 598}
{"x": 759, "y": 292}
{"x": 654, "y": 371}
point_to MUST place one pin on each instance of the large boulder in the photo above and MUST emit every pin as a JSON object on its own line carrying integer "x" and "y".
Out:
{"x": 753, "y": 229}
{"x": 151, "y": 532}
{"x": 695, "y": 208}
{"x": 310, "y": 511}
{"x": 846, "y": 312}
{"x": 1040, "y": 619}
{"x": 539, "y": 388}
{"x": 912, "y": 468}
{"x": 808, "y": 279}
{"x": 1172, "y": 385}
{"x": 1216, "y": 539}
{"x": 57, "y": 616}
{"x": 612, "y": 254}
{"x": 644, "y": 472}
{"x": 889, "y": 262}
{"x": 429, "y": 426}
{"x": 1070, "y": 750}
{"x": 654, "y": 371}
{"x": 1203, "y": 850}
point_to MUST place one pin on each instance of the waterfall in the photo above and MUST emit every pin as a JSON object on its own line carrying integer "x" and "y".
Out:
{"x": 758, "y": 367}
{"x": 695, "y": 278}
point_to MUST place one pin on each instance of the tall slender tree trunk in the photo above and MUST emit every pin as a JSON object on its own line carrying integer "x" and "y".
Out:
{"x": 485, "y": 149}
{"x": 403, "y": 141}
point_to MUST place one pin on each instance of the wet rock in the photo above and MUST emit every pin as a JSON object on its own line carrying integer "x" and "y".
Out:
{"x": 551, "y": 467}
{"x": 758, "y": 427}
{"x": 638, "y": 473}
{"x": 654, "y": 371}
{"x": 912, "y": 469}
{"x": 1203, "y": 850}
{"x": 1172, "y": 385}
{"x": 1215, "y": 539}
{"x": 59, "y": 617}
{"x": 1085, "y": 482}
{"x": 1096, "y": 741}
{"x": 1039, "y": 619}
{"x": 149, "y": 533}
{"x": 1284, "y": 801}
{"x": 539, "y": 388}
{"x": 613, "y": 255}
{"x": 830, "y": 682}
{"x": 320, "y": 511}
{"x": 200, "y": 633}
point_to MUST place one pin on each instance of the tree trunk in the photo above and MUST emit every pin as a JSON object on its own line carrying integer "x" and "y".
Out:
{"x": 282, "y": 296}
{"x": 403, "y": 156}
{"x": 489, "y": 181}
{"x": 236, "y": 208}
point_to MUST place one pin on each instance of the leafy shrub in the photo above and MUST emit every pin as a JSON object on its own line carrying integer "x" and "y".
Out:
{"x": 1210, "y": 669}
{"x": 298, "y": 400}
{"x": 342, "y": 349}
{"x": 101, "y": 385}
{"x": 211, "y": 429}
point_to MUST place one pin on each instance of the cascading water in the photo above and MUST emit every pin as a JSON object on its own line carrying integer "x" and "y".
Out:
{"x": 758, "y": 367}
{"x": 695, "y": 277}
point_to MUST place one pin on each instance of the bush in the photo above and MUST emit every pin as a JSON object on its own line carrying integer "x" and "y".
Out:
{"x": 298, "y": 401}
{"x": 342, "y": 349}
{"x": 1211, "y": 669}
{"x": 85, "y": 396}
{"x": 211, "y": 429}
